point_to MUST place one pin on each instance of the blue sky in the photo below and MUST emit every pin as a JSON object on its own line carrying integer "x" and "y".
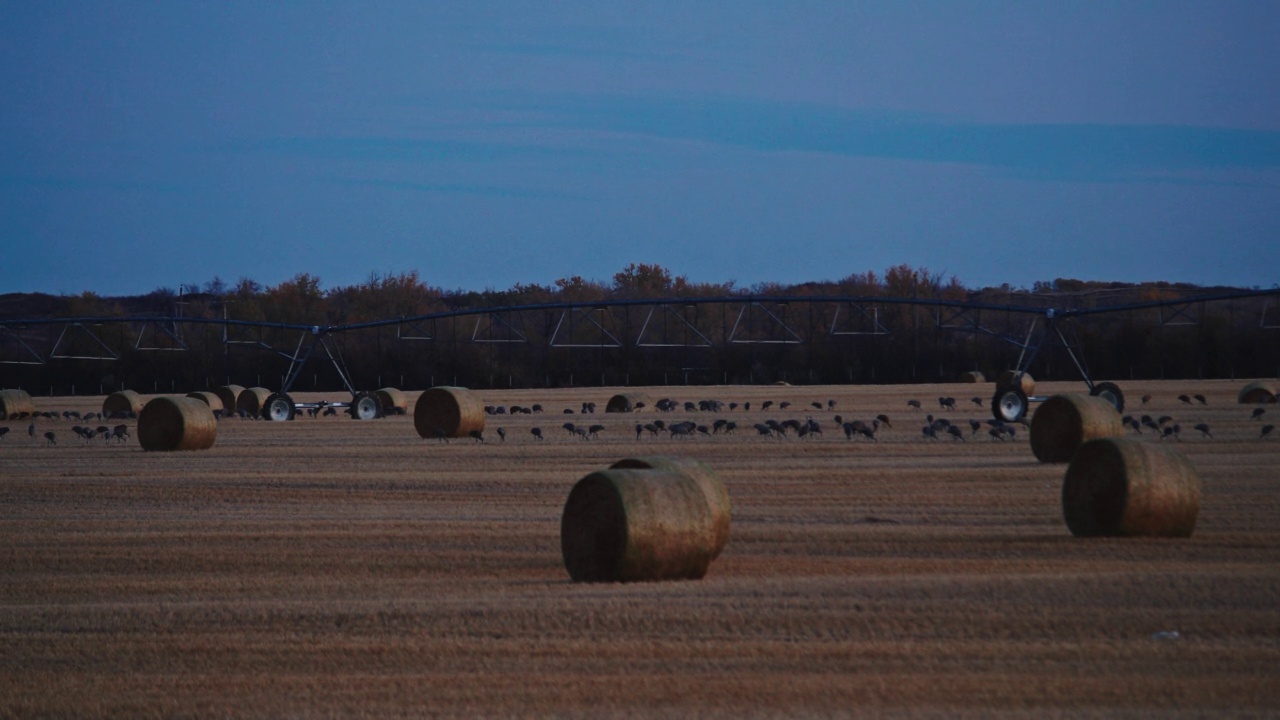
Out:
{"x": 150, "y": 144}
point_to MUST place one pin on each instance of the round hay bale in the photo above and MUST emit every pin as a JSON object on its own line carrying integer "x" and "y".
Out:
{"x": 1011, "y": 378}
{"x": 393, "y": 401}
{"x": 15, "y": 402}
{"x": 229, "y": 395}
{"x": 176, "y": 423}
{"x": 625, "y": 402}
{"x": 124, "y": 402}
{"x": 1065, "y": 422}
{"x": 208, "y": 398}
{"x": 973, "y": 376}
{"x": 1258, "y": 392}
{"x": 448, "y": 412}
{"x": 252, "y": 400}
{"x": 702, "y": 476}
{"x": 628, "y": 525}
{"x": 1123, "y": 488}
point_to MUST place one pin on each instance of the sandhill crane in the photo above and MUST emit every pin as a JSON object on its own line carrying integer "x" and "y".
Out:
{"x": 763, "y": 429}
{"x": 718, "y": 425}
{"x": 536, "y": 433}
{"x": 955, "y": 432}
{"x": 1266, "y": 430}
{"x": 816, "y": 405}
{"x": 502, "y": 434}
{"x": 928, "y": 432}
{"x": 1257, "y": 413}
{"x": 1204, "y": 430}
{"x": 1130, "y": 422}
{"x": 784, "y": 405}
{"x": 976, "y": 401}
{"x": 1201, "y": 399}
{"x": 1149, "y": 423}
{"x": 766, "y": 404}
{"x": 594, "y": 430}
{"x": 974, "y": 426}
{"x": 120, "y": 432}
{"x": 569, "y": 427}
{"x": 639, "y": 430}
{"x": 31, "y": 431}
{"x": 746, "y": 405}
{"x": 477, "y": 435}
{"x": 1165, "y": 419}
{"x": 1184, "y": 398}
{"x": 997, "y": 433}
{"x": 3, "y": 431}
{"x": 884, "y": 420}
{"x": 51, "y": 438}
{"x": 913, "y": 404}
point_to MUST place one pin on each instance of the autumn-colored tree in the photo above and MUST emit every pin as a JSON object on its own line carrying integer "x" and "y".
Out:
{"x": 642, "y": 280}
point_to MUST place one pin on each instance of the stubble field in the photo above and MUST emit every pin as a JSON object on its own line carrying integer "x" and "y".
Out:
{"x": 333, "y": 568}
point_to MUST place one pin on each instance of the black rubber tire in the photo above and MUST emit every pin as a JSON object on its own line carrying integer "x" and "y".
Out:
{"x": 366, "y": 406}
{"x": 1111, "y": 393}
{"x": 279, "y": 407}
{"x": 1009, "y": 404}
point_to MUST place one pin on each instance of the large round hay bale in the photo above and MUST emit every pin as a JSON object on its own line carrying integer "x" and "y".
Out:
{"x": 393, "y": 401}
{"x": 1121, "y": 487}
{"x": 176, "y": 423}
{"x": 625, "y": 402}
{"x": 702, "y": 476}
{"x": 1012, "y": 379}
{"x": 627, "y": 525}
{"x": 252, "y": 400}
{"x": 15, "y": 402}
{"x": 1065, "y": 422}
{"x": 973, "y": 376}
{"x": 229, "y": 395}
{"x": 124, "y": 402}
{"x": 1258, "y": 392}
{"x": 448, "y": 412}
{"x": 208, "y": 398}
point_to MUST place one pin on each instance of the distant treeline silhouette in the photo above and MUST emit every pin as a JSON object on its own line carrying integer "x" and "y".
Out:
{"x": 641, "y": 344}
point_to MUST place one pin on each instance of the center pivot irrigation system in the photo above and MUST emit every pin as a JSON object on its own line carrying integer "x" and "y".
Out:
{"x": 758, "y": 320}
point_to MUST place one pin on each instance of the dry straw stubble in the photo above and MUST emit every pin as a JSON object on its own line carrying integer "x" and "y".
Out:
{"x": 450, "y": 412}
{"x": 176, "y": 423}
{"x": 1126, "y": 488}
{"x": 1065, "y": 422}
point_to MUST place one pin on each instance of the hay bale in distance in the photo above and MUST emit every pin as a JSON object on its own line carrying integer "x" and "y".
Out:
{"x": 251, "y": 400}
{"x": 208, "y": 398}
{"x": 393, "y": 401}
{"x": 229, "y": 395}
{"x": 706, "y": 480}
{"x": 451, "y": 412}
{"x": 15, "y": 402}
{"x": 1010, "y": 378}
{"x": 124, "y": 402}
{"x": 1258, "y": 392}
{"x": 625, "y": 402}
{"x": 1065, "y": 422}
{"x": 628, "y": 525}
{"x": 973, "y": 376}
{"x": 176, "y": 423}
{"x": 1121, "y": 487}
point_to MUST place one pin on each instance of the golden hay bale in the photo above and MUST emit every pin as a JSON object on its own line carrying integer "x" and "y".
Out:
{"x": 1010, "y": 379}
{"x": 1258, "y": 392}
{"x": 15, "y": 402}
{"x": 393, "y": 401}
{"x": 123, "y": 402}
{"x": 252, "y": 399}
{"x": 448, "y": 412}
{"x": 973, "y": 376}
{"x": 1065, "y": 422}
{"x": 229, "y": 395}
{"x": 627, "y": 525}
{"x": 1121, "y": 487}
{"x": 706, "y": 480}
{"x": 625, "y": 402}
{"x": 208, "y": 398}
{"x": 176, "y": 423}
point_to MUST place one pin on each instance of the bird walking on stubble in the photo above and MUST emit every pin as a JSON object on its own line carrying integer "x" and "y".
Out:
{"x": 1257, "y": 413}
{"x": 1200, "y": 399}
{"x": 1204, "y": 430}
{"x": 1266, "y": 430}
{"x": 51, "y": 438}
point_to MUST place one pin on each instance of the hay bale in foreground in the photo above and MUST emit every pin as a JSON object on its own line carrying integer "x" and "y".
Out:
{"x": 252, "y": 400}
{"x": 628, "y": 525}
{"x": 973, "y": 376}
{"x": 124, "y": 402}
{"x": 1065, "y": 422}
{"x": 1257, "y": 392}
{"x": 15, "y": 402}
{"x": 1124, "y": 488}
{"x": 229, "y": 395}
{"x": 393, "y": 401}
{"x": 625, "y": 402}
{"x": 176, "y": 423}
{"x": 450, "y": 412}
{"x": 208, "y": 398}
{"x": 1011, "y": 379}
{"x": 706, "y": 480}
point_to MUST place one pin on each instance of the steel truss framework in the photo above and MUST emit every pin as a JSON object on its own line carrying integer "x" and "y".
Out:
{"x": 689, "y": 323}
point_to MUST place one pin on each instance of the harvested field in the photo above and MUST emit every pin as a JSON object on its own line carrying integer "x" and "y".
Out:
{"x": 334, "y": 568}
